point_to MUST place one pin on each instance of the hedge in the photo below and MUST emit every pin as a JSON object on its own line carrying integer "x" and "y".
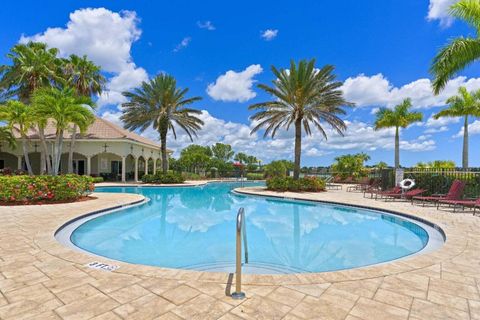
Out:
{"x": 161, "y": 178}
{"x": 27, "y": 189}
{"x": 310, "y": 184}
{"x": 254, "y": 176}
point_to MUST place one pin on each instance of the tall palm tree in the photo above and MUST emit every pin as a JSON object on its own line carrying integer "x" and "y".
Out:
{"x": 161, "y": 104}
{"x": 459, "y": 52}
{"x": 65, "y": 108}
{"x": 18, "y": 116}
{"x": 34, "y": 66}
{"x": 465, "y": 104}
{"x": 399, "y": 117}
{"x": 86, "y": 78}
{"x": 303, "y": 97}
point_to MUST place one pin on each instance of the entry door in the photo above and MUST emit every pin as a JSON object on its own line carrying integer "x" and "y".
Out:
{"x": 81, "y": 167}
{"x": 116, "y": 167}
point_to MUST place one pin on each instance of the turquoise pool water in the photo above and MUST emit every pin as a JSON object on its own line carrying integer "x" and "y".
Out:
{"x": 194, "y": 228}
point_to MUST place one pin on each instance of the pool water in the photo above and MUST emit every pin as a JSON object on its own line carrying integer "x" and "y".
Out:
{"x": 194, "y": 228}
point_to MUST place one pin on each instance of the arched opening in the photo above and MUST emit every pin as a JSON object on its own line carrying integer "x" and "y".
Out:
{"x": 159, "y": 164}
{"x": 129, "y": 167}
{"x": 79, "y": 164}
{"x": 150, "y": 166}
{"x": 8, "y": 161}
{"x": 141, "y": 167}
{"x": 35, "y": 161}
{"x": 107, "y": 165}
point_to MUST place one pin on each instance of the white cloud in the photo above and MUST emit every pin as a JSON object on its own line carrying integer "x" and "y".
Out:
{"x": 206, "y": 25}
{"x": 106, "y": 37}
{"x": 436, "y": 130}
{"x": 473, "y": 129}
{"x": 438, "y": 10}
{"x": 235, "y": 86}
{"x": 269, "y": 34}
{"x": 183, "y": 44}
{"x": 440, "y": 122}
{"x": 377, "y": 90}
{"x": 360, "y": 136}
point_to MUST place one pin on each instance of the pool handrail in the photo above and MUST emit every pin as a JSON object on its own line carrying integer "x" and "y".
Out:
{"x": 240, "y": 233}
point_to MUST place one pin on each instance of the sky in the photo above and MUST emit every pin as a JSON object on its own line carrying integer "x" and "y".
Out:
{"x": 381, "y": 50}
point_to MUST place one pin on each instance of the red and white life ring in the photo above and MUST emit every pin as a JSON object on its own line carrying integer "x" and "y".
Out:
{"x": 407, "y": 184}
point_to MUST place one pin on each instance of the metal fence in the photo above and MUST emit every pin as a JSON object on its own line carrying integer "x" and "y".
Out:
{"x": 437, "y": 181}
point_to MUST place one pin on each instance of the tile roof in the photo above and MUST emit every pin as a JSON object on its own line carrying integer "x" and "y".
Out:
{"x": 101, "y": 129}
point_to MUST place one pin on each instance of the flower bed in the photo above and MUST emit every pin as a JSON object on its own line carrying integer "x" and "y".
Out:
{"x": 307, "y": 184}
{"x": 25, "y": 189}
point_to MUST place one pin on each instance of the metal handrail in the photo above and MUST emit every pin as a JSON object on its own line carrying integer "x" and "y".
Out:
{"x": 240, "y": 233}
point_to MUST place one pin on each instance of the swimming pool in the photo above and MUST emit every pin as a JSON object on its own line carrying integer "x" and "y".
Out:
{"x": 194, "y": 228}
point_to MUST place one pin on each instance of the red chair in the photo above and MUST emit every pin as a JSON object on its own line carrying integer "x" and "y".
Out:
{"x": 386, "y": 193}
{"x": 407, "y": 195}
{"x": 455, "y": 193}
{"x": 471, "y": 203}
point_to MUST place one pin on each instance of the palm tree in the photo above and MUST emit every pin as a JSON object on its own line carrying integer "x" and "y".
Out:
{"x": 459, "y": 52}
{"x": 65, "y": 108}
{"x": 7, "y": 136}
{"x": 161, "y": 104}
{"x": 303, "y": 97}
{"x": 399, "y": 117}
{"x": 18, "y": 116}
{"x": 86, "y": 78}
{"x": 33, "y": 66}
{"x": 463, "y": 105}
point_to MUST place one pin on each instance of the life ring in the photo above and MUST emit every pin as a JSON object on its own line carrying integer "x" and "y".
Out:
{"x": 407, "y": 184}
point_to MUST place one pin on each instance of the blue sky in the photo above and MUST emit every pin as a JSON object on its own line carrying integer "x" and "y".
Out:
{"x": 381, "y": 49}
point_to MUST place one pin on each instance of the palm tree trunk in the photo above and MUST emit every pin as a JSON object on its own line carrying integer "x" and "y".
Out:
{"x": 163, "y": 149}
{"x": 298, "y": 148}
{"x": 72, "y": 146}
{"x": 46, "y": 153}
{"x": 397, "y": 148}
{"x": 57, "y": 153}
{"x": 25, "y": 155}
{"x": 465, "y": 144}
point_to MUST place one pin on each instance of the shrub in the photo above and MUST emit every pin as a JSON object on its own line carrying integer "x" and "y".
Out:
{"x": 163, "y": 178}
{"x": 28, "y": 189}
{"x": 192, "y": 176}
{"x": 98, "y": 179}
{"x": 310, "y": 184}
{"x": 275, "y": 169}
{"x": 254, "y": 176}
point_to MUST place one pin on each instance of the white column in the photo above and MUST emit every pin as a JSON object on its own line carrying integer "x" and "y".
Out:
{"x": 89, "y": 165}
{"x": 146, "y": 166}
{"x": 19, "y": 162}
{"x": 136, "y": 170}
{"x": 154, "y": 166}
{"x": 124, "y": 168}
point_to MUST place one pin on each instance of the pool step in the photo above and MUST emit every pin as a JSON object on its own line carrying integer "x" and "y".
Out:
{"x": 250, "y": 268}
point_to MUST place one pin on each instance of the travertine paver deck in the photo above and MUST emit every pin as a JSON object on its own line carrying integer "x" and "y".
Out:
{"x": 41, "y": 279}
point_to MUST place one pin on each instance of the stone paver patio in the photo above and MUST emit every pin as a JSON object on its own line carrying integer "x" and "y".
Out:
{"x": 41, "y": 279}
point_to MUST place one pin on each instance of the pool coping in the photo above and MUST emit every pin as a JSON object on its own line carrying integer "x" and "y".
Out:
{"x": 454, "y": 245}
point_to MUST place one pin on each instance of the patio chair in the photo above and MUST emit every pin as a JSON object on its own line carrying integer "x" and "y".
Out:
{"x": 332, "y": 186}
{"x": 455, "y": 193}
{"x": 470, "y": 203}
{"x": 408, "y": 195}
{"x": 394, "y": 190}
{"x": 360, "y": 185}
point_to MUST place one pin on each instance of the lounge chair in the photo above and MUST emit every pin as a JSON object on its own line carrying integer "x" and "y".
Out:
{"x": 394, "y": 190}
{"x": 332, "y": 186}
{"x": 362, "y": 183}
{"x": 408, "y": 195}
{"x": 455, "y": 193}
{"x": 470, "y": 203}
